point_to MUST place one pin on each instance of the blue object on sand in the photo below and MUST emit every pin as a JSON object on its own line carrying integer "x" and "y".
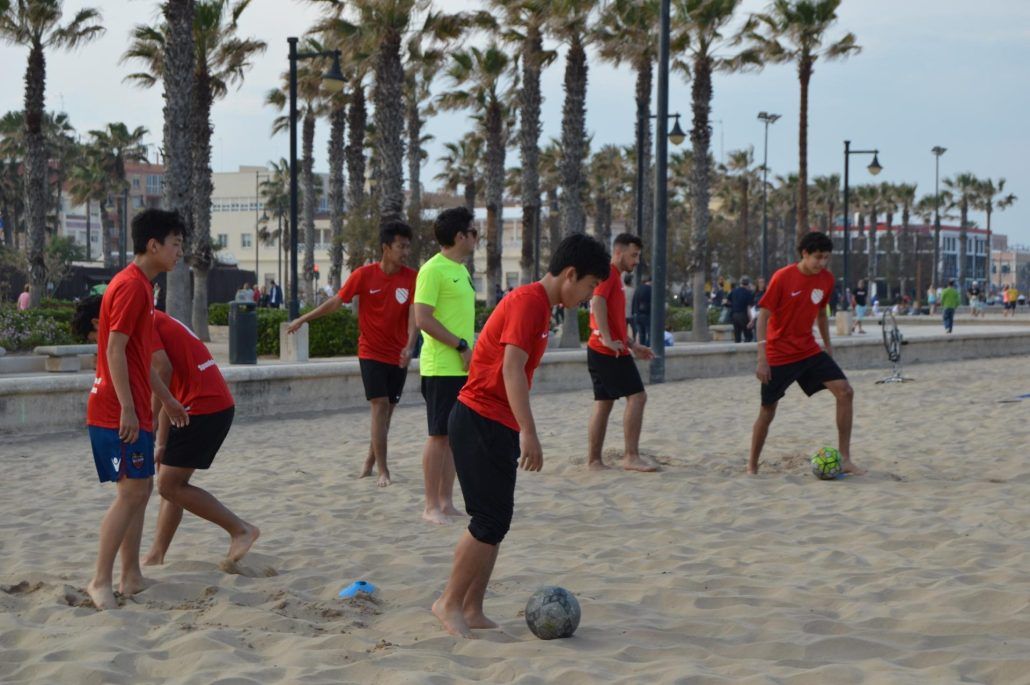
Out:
{"x": 356, "y": 587}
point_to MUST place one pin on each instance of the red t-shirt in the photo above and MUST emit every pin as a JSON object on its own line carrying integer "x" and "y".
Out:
{"x": 523, "y": 319}
{"x": 196, "y": 381}
{"x": 385, "y": 301}
{"x": 614, "y": 292}
{"x": 127, "y": 307}
{"x": 794, "y": 300}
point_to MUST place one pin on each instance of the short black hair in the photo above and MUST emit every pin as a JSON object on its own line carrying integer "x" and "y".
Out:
{"x": 583, "y": 253}
{"x": 87, "y": 309}
{"x": 155, "y": 224}
{"x": 390, "y": 230}
{"x": 627, "y": 239}
{"x": 813, "y": 242}
{"x": 450, "y": 222}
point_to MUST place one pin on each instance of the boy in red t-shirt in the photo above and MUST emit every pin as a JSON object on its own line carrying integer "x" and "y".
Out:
{"x": 610, "y": 354}
{"x": 787, "y": 351}
{"x": 118, "y": 411}
{"x": 492, "y": 422}
{"x": 386, "y": 321}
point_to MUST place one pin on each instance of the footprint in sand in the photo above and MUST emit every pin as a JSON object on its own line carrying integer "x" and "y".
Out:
{"x": 239, "y": 569}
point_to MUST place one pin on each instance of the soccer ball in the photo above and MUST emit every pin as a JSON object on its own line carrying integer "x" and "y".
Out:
{"x": 826, "y": 464}
{"x": 552, "y": 612}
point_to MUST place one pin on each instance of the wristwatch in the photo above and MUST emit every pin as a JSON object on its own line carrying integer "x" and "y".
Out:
{"x": 462, "y": 345}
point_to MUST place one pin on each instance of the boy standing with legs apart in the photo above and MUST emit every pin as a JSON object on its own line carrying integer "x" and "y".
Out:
{"x": 787, "y": 350}
{"x": 492, "y": 422}
{"x": 610, "y": 355}
{"x": 386, "y": 338}
{"x": 118, "y": 412}
{"x": 445, "y": 311}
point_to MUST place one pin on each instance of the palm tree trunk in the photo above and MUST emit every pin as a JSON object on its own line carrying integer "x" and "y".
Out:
{"x": 804, "y": 76}
{"x": 700, "y": 138}
{"x": 308, "y": 181}
{"x": 962, "y": 239}
{"x": 178, "y": 99}
{"x": 389, "y": 121}
{"x": 744, "y": 245}
{"x": 553, "y": 221}
{"x": 414, "y": 126}
{"x": 357, "y": 119}
{"x": 903, "y": 255}
{"x": 36, "y": 190}
{"x": 5, "y": 217}
{"x": 645, "y": 72}
{"x": 107, "y": 239}
{"x": 201, "y": 256}
{"x": 471, "y": 191}
{"x": 529, "y": 137}
{"x": 574, "y": 142}
{"x": 871, "y": 249}
{"x": 987, "y": 264}
{"x": 337, "y": 124}
{"x": 494, "y": 124}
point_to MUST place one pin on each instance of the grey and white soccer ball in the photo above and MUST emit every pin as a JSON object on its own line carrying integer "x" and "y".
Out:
{"x": 552, "y": 612}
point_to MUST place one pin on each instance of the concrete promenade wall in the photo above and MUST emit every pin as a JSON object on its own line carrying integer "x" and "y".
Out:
{"x": 34, "y": 405}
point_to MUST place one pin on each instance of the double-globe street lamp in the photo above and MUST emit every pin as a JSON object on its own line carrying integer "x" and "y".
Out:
{"x": 334, "y": 81}
{"x": 767, "y": 119}
{"x": 874, "y": 168}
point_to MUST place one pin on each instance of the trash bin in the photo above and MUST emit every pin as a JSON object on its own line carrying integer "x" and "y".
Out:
{"x": 242, "y": 333}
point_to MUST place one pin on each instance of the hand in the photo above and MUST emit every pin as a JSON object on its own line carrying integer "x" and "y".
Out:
{"x": 177, "y": 413}
{"x": 532, "y": 453}
{"x": 764, "y": 373}
{"x": 466, "y": 358}
{"x": 128, "y": 425}
{"x": 405, "y": 358}
{"x": 828, "y": 349}
{"x": 159, "y": 456}
{"x": 642, "y": 352}
{"x": 614, "y": 345}
{"x": 295, "y": 325}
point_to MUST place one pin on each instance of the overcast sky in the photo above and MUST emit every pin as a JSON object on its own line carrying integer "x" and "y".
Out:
{"x": 932, "y": 72}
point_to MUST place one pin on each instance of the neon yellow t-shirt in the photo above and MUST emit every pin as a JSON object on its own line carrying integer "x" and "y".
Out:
{"x": 446, "y": 286}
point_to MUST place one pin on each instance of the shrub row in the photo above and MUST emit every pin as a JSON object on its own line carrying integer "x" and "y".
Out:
{"x": 48, "y": 324}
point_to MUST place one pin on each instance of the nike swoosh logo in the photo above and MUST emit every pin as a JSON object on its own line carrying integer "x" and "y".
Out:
{"x": 375, "y": 291}
{"x": 795, "y": 294}
{"x": 456, "y": 280}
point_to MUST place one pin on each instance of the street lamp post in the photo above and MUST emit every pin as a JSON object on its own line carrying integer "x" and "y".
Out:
{"x": 334, "y": 81}
{"x": 874, "y": 168}
{"x": 767, "y": 119}
{"x": 658, "y": 249}
{"x": 258, "y": 220}
{"x": 937, "y": 151}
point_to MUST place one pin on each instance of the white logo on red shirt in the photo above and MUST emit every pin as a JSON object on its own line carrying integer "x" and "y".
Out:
{"x": 373, "y": 292}
{"x": 401, "y": 294}
{"x": 795, "y": 293}
{"x": 817, "y": 296}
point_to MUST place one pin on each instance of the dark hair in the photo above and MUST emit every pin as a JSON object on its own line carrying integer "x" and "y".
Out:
{"x": 450, "y": 222}
{"x": 627, "y": 239}
{"x": 390, "y": 230}
{"x": 813, "y": 242}
{"x": 86, "y": 310}
{"x": 583, "y": 253}
{"x": 156, "y": 224}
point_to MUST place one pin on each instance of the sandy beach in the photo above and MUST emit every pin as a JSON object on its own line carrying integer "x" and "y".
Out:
{"x": 916, "y": 573}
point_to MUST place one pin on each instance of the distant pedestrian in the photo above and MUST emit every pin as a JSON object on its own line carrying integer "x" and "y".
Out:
{"x": 275, "y": 295}
{"x": 950, "y": 301}
{"x": 859, "y": 302}
{"x": 23, "y": 299}
{"x": 931, "y": 299}
{"x": 1011, "y": 298}
{"x": 975, "y": 299}
{"x": 740, "y": 300}
{"x": 641, "y": 305}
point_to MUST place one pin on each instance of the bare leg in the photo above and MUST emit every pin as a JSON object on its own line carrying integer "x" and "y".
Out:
{"x": 595, "y": 437}
{"x": 473, "y": 562}
{"x": 132, "y": 580}
{"x": 174, "y": 485}
{"x": 381, "y": 411}
{"x": 132, "y": 493}
{"x": 472, "y": 606}
{"x": 758, "y": 434}
{"x": 632, "y": 420}
{"x": 446, "y": 494}
{"x": 434, "y": 456}
{"x": 168, "y": 519}
{"x": 844, "y": 393}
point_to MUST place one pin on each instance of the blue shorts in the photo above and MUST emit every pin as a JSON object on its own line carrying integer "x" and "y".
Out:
{"x": 115, "y": 459}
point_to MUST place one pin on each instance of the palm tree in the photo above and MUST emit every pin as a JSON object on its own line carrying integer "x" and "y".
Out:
{"x": 275, "y": 190}
{"x": 626, "y": 32}
{"x": 826, "y": 194}
{"x": 116, "y": 145}
{"x": 964, "y": 190}
{"x": 89, "y": 182}
{"x": 889, "y": 204}
{"x": 37, "y": 25}
{"x": 608, "y": 181}
{"x": 795, "y": 31}
{"x": 461, "y": 167}
{"x": 12, "y": 152}
{"x": 481, "y": 78}
{"x": 221, "y": 59}
{"x": 992, "y": 197}
{"x": 740, "y": 166}
{"x": 698, "y": 39}
{"x": 905, "y": 196}
{"x": 550, "y": 184}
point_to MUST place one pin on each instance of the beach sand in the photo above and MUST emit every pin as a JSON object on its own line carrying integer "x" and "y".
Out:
{"x": 916, "y": 573}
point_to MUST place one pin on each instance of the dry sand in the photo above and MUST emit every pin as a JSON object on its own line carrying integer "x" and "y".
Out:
{"x": 916, "y": 573}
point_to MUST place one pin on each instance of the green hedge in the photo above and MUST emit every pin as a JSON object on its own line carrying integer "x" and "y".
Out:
{"x": 48, "y": 324}
{"x": 218, "y": 314}
{"x": 334, "y": 335}
{"x": 682, "y": 318}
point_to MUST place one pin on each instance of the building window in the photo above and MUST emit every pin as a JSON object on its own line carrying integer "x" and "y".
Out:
{"x": 154, "y": 183}
{"x": 135, "y": 183}
{"x": 245, "y": 239}
{"x": 223, "y": 240}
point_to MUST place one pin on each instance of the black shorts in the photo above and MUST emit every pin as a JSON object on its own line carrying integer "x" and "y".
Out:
{"x": 613, "y": 377}
{"x": 486, "y": 459}
{"x": 810, "y": 374}
{"x": 440, "y": 393}
{"x": 195, "y": 446}
{"x": 382, "y": 380}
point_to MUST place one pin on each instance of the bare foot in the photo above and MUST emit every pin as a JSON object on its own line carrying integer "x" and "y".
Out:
{"x": 384, "y": 479}
{"x": 435, "y": 516}
{"x": 477, "y": 620}
{"x": 366, "y": 469}
{"x": 449, "y": 510}
{"x": 153, "y": 558}
{"x": 597, "y": 466}
{"x": 453, "y": 620}
{"x": 752, "y": 470}
{"x": 241, "y": 544}
{"x": 645, "y": 464}
{"x": 849, "y": 467}
{"x": 102, "y": 596}
{"x": 132, "y": 584}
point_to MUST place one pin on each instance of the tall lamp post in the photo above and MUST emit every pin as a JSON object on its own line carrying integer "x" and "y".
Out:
{"x": 676, "y": 137}
{"x": 334, "y": 82}
{"x": 874, "y": 168}
{"x": 659, "y": 248}
{"x": 258, "y": 221}
{"x": 937, "y": 151}
{"x": 767, "y": 119}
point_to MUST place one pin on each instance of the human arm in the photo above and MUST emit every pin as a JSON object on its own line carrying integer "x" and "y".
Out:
{"x": 599, "y": 306}
{"x": 516, "y": 387}
{"x": 763, "y": 372}
{"x": 128, "y": 422}
{"x": 160, "y": 376}
{"x": 823, "y": 322}
{"x": 327, "y": 307}
{"x": 163, "y": 367}
{"x": 431, "y": 326}
{"x": 409, "y": 348}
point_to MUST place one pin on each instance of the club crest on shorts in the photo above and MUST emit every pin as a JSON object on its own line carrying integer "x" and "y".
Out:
{"x": 137, "y": 460}
{"x": 817, "y": 296}
{"x": 401, "y": 294}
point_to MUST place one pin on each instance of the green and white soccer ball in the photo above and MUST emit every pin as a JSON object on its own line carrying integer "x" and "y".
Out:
{"x": 826, "y": 463}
